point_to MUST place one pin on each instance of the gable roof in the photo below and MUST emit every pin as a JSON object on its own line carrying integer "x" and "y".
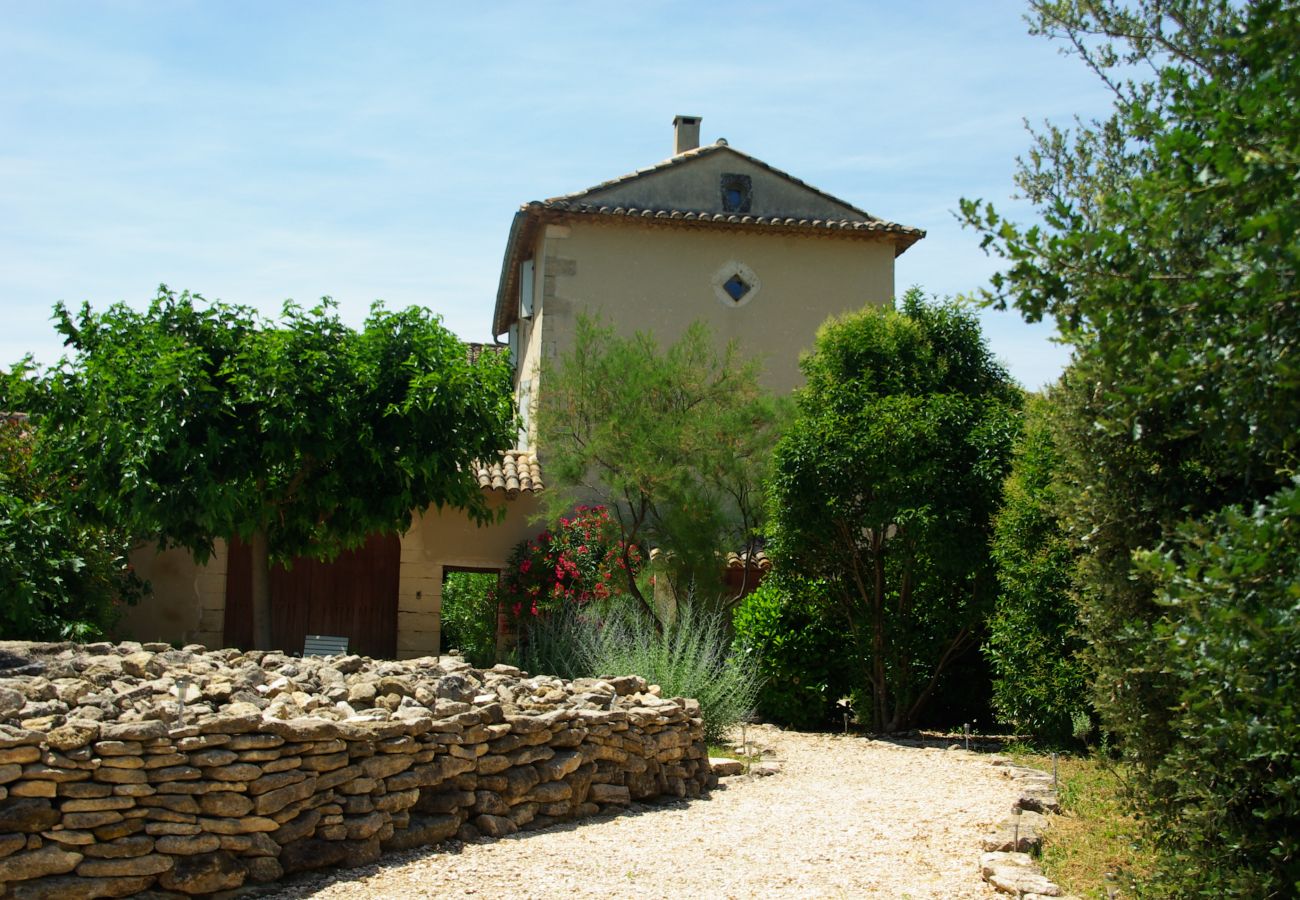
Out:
{"x": 662, "y": 195}
{"x": 721, "y": 149}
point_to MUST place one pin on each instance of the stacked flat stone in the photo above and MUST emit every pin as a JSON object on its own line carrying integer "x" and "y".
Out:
{"x": 131, "y": 767}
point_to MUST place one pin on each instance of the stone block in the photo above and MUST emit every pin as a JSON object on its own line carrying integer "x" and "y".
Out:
{"x": 421, "y": 620}
{"x": 605, "y": 794}
{"x": 122, "y": 848}
{"x": 148, "y": 864}
{"x": 180, "y": 845}
{"x": 262, "y": 869}
{"x": 423, "y": 831}
{"x": 495, "y": 826}
{"x": 72, "y": 887}
{"x": 205, "y": 873}
{"x": 417, "y": 643}
{"x": 48, "y": 860}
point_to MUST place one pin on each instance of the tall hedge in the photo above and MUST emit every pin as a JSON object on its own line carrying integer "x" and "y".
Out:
{"x": 884, "y": 489}
{"x": 1040, "y": 683}
{"x": 1230, "y": 639}
{"x": 1166, "y": 249}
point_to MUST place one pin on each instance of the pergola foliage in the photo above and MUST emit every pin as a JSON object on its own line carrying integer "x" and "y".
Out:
{"x": 193, "y": 421}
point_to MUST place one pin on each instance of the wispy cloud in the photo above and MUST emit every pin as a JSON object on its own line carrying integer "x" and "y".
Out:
{"x": 261, "y": 151}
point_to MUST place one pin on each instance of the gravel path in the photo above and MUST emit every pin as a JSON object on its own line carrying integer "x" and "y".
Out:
{"x": 846, "y": 817}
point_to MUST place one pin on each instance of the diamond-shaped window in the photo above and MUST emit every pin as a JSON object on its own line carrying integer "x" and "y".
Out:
{"x": 736, "y": 287}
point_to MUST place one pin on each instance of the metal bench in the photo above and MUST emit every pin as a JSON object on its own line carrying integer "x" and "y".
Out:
{"x": 324, "y": 645}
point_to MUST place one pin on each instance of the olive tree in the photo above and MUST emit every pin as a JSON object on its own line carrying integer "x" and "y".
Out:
{"x": 1165, "y": 250}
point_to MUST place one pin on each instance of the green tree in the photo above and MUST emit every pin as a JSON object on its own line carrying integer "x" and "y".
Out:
{"x": 1231, "y": 638}
{"x": 674, "y": 444}
{"x": 468, "y": 615}
{"x": 1040, "y": 683}
{"x": 885, "y": 485}
{"x": 60, "y": 578}
{"x": 787, "y": 631}
{"x": 1167, "y": 253}
{"x": 193, "y": 421}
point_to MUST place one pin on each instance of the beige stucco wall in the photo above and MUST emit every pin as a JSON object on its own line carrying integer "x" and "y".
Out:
{"x": 187, "y": 604}
{"x": 441, "y": 539}
{"x": 660, "y": 279}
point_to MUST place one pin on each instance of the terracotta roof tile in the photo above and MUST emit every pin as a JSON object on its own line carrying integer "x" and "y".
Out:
{"x": 757, "y": 560}
{"x": 475, "y": 349}
{"x": 513, "y": 472}
{"x": 879, "y": 226}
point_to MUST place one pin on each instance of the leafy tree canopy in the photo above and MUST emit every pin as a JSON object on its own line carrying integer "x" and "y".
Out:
{"x": 60, "y": 578}
{"x": 1167, "y": 253}
{"x": 1168, "y": 248}
{"x": 674, "y": 443}
{"x": 885, "y": 485}
{"x": 193, "y": 421}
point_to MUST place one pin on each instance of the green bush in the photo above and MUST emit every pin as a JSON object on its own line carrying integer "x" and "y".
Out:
{"x": 785, "y": 630}
{"x": 884, "y": 487}
{"x": 690, "y": 658}
{"x": 558, "y": 643}
{"x": 60, "y": 577}
{"x": 469, "y": 615}
{"x": 580, "y": 561}
{"x": 1228, "y": 804}
{"x": 1040, "y": 684}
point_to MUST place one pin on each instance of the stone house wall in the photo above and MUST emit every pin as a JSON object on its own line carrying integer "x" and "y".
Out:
{"x": 188, "y": 600}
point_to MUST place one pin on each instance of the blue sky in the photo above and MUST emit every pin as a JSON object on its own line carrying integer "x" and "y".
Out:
{"x": 255, "y": 152}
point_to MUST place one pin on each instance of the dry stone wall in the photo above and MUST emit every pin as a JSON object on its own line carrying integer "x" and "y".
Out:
{"x": 130, "y": 767}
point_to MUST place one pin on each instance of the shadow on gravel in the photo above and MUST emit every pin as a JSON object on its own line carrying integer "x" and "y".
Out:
{"x": 305, "y": 884}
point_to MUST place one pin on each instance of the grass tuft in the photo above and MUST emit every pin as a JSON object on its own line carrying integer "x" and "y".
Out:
{"x": 1096, "y": 844}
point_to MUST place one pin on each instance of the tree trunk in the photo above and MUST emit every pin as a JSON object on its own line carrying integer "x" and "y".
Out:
{"x": 635, "y": 591}
{"x": 882, "y": 717}
{"x": 261, "y": 599}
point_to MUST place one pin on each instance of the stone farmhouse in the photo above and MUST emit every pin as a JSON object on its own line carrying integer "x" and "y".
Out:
{"x": 709, "y": 234}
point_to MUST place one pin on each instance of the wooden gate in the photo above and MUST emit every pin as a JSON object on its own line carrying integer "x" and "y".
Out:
{"x": 354, "y": 595}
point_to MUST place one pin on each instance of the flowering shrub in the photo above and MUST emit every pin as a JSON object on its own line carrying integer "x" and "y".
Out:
{"x": 577, "y": 563}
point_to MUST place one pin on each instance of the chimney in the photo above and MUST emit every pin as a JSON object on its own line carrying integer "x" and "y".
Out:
{"x": 686, "y": 133}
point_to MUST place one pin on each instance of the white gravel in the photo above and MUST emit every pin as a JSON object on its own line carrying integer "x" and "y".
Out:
{"x": 846, "y": 817}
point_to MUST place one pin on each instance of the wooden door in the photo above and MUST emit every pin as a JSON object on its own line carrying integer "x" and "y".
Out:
{"x": 353, "y": 595}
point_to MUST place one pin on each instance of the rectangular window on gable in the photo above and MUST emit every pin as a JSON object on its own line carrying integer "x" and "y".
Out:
{"x": 526, "y": 289}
